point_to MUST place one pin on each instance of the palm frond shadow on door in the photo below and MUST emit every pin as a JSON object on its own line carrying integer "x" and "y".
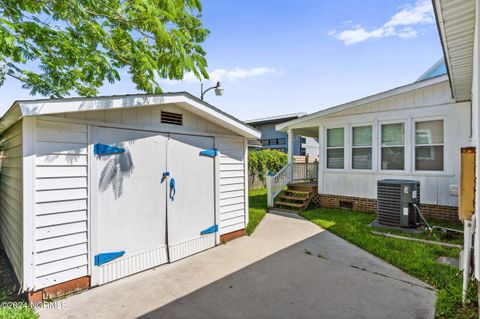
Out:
{"x": 118, "y": 167}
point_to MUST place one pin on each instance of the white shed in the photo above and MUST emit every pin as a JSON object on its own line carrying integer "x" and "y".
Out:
{"x": 95, "y": 189}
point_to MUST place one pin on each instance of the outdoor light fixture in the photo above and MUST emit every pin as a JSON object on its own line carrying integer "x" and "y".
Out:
{"x": 218, "y": 90}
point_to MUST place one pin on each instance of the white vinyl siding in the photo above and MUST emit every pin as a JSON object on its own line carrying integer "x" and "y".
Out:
{"x": 232, "y": 184}
{"x": 11, "y": 197}
{"x": 61, "y": 194}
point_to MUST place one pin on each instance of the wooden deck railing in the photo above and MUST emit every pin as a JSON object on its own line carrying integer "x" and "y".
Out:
{"x": 292, "y": 172}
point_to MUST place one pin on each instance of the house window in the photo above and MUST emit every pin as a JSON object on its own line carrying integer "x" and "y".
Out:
{"x": 362, "y": 147}
{"x": 335, "y": 150}
{"x": 393, "y": 146}
{"x": 429, "y": 144}
{"x": 282, "y": 141}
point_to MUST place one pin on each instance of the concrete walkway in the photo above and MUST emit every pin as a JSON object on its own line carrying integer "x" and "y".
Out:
{"x": 268, "y": 275}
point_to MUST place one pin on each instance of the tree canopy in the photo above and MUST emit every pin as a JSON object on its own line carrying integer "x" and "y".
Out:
{"x": 56, "y": 47}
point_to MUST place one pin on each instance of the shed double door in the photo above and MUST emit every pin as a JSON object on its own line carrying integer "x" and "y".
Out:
{"x": 155, "y": 195}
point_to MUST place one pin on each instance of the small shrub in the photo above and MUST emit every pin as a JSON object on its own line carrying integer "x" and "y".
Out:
{"x": 260, "y": 163}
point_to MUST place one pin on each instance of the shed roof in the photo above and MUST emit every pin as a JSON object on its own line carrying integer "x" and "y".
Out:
{"x": 24, "y": 108}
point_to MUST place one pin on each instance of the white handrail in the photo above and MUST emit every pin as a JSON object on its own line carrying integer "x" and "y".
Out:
{"x": 276, "y": 183}
{"x": 289, "y": 173}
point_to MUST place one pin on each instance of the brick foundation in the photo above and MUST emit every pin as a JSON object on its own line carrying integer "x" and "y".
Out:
{"x": 446, "y": 213}
{"x": 231, "y": 236}
{"x": 59, "y": 290}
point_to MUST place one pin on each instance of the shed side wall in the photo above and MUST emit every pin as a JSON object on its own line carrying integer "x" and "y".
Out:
{"x": 232, "y": 184}
{"x": 11, "y": 197}
{"x": 61, "y": 189}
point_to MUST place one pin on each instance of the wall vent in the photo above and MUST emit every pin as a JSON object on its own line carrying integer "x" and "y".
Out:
{"x": 345, "y": 204}
{"x": 171, "y": 118}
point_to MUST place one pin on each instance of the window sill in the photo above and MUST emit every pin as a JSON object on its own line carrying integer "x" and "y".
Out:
{"x": 399, "y": 173}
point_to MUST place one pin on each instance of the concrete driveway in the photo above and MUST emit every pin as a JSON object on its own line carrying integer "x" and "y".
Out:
{"x": 289, "y": 268}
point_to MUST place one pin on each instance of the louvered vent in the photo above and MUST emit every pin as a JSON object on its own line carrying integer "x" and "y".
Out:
{"x": 395, "y": 199}
{"x": 171, "y": 118}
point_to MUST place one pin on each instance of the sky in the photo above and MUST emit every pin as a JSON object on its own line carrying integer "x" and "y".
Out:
{"x": 277, "y": 57}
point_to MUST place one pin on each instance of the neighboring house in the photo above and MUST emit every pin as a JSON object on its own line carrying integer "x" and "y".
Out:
{"x": 273, "y": 139}
{"x": 410, "y": 132}
{"x": 88, "y": 185}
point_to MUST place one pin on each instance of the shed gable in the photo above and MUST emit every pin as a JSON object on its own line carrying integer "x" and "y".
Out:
{"x": 150, "y": 117}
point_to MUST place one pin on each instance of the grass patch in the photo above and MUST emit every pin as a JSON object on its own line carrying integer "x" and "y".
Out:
{"x": 416, "y": 259}
{"x": 18, "y": 312}
{"x": 257, "y": 200}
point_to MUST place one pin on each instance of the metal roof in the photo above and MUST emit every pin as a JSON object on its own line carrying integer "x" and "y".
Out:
{"x": 276, "y": 118}
{"x": 456, "y": 26}
{"x": 438, "y": 69}
{"x": 23, "y": 108}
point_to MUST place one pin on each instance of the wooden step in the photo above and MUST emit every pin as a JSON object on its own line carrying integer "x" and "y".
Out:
{"x": 297, "y": 192}
{"x": 290, "y": 204}
{"x": 293, "y": 197}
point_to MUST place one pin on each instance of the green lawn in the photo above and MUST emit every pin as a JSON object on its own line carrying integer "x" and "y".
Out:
{"x": 257, "y": 199}
{"x": 21, "y": 312}
{"x": 417, "y": 259}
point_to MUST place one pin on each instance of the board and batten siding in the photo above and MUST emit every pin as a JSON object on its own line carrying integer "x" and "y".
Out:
{"x": 61, "y": 192}
{"x": 434, "y": 185}
{"x": 11, "y": 196}
{"x": 232, "y": 184}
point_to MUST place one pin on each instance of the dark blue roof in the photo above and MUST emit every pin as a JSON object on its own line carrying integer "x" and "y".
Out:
{"x": 437, "y": 69}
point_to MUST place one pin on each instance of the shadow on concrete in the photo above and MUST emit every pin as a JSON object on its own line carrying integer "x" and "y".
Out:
{"x": 320, "y": 277}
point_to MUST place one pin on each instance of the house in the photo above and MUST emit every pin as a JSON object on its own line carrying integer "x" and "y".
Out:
{"x": 410, "y": 132}
{"x": 96, "y": 189}
{"x": 277, "y": 140}
{"x": 459, "y": 29}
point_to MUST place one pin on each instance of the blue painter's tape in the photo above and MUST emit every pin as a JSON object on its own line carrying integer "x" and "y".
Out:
{"x": 209, "y": 230}
{"x": 102, "y": 149}
{"x": 210, "y": 153}
{"x": 104, "y": 258}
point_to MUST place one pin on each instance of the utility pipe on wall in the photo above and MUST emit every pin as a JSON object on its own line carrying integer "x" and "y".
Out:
{"x": 467, "y": 253}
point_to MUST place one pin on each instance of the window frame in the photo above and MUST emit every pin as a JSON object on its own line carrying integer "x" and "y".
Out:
{"x": 344, "y": 147}
{"x": 405, "y": 146}
{"x": 372, "y": 147}
{"x": 414, "y": 145}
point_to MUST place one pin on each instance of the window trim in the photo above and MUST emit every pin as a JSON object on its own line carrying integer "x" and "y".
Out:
{"x": 372, "y": 147}
{"x": 344, "y": 147}
{"x": 414, "y": 144}
{"x": 405, "y": 145}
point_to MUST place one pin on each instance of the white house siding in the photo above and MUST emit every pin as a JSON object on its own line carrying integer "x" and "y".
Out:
{"x": 232, "y": 184}
{"x": 434, "y": 185}
{"x": 11, "y": 196}
{"x": 61, "y": 192}
{"x": 149, "y": 117}
{"x": 436, "y": 94}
